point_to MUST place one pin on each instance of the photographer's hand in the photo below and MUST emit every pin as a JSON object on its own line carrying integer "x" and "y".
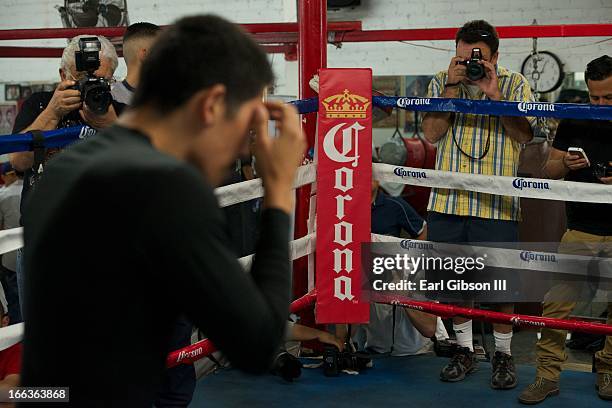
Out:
{"x": 606, "y": 180}
{"x": 98, "y": 121}
{"x": 456, "y": 74}
{"x": 328, "y": 338}
{"x": 63, "y": 101}
{"x": 489, "y": 83}
{"x": 278, "y": 159}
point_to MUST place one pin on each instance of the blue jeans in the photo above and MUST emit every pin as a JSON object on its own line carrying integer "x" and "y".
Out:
{"x": 462, "y": 229}
{"x": 179, "y": 382}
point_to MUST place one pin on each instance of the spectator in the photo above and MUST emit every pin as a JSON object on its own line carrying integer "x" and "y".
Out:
{"x": 589, "y": 231}
{"x": 59, "y": 109}
{"x": 137, "y": 42}
{"x": 404, "y": 331}
{"x": 477, "y": 144}
{"x": 10, "y": 198}
{"x": 10, "y": 355}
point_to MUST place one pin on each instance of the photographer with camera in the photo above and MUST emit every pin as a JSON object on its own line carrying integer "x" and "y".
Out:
{"x": 582, "y": 152}
{"x": 81, "y": 98}
{"x": 477, "y": 144}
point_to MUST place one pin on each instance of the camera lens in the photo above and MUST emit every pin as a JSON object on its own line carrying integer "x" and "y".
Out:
{"x": 98, "y": 99}
{"x": 475, "y": 71}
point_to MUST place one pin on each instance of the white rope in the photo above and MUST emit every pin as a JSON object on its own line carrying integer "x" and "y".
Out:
{"x": 297, "y": 249}
{"x": 11, "y": 240}
{"x": 248, "y": 190}
{"x": 516, "y": 259}
{"x": 10, "y": 335}
{"x": 500, "y": 185}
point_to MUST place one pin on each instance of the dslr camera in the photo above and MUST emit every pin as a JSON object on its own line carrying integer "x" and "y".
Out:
{"x": 474, "y": 70}
{"x": 334, "y": 361}
{"x": 95, "y": 91}
{"x": 602, "y": 169}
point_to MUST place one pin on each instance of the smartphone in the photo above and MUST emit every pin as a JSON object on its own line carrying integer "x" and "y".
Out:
{"x": 577, "y": 151}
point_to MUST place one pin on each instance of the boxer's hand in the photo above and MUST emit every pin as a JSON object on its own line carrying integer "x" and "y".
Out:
{"x": 456, "y": 72}
{"x": 279, "y": 158}
{"x": 63, "y": 101}
{"x": 574, "y": 162}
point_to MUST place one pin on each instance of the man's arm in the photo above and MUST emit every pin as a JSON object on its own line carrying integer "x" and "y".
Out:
{"x": 516, "y": 127}
{"x": 409, "y": 219}
{"x": 298, "y": 332}
{"x": 63, "y": 101}
{"x": 235, "y": 308}
{"x": 230, "y": 305}
{"x": 425, "y": 323}
{"x": 436, "y": 124}
{"x": 559, "y": 163}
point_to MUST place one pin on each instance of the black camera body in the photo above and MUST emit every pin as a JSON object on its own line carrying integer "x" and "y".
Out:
{"x": 602, "y": 169}
{"x": 95, "y": 91}
{"x": 474, "y": 70}
{"x": 334, "y": 361}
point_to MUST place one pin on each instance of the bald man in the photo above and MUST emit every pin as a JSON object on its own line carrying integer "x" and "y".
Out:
{"x": 137, "y": 40}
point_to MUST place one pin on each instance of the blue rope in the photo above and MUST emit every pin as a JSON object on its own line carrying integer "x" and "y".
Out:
{"x": 62, "y": 137}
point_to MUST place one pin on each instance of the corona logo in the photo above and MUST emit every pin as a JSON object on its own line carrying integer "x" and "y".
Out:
{"x": 535, "y": 106}
{"x": 346, "y": 105}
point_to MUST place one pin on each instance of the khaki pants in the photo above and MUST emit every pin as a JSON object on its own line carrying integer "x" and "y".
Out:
{"x": 550, "y": 349}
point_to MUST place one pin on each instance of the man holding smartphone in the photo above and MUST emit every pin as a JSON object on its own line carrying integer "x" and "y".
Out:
{"x": 581, "y": 151}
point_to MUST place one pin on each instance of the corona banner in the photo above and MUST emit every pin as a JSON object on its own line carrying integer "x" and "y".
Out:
{"x": 344, "y": 173}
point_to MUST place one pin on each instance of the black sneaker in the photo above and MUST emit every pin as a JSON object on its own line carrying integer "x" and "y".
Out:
{"x": 461, "y": 364}
{"x": 504, "y": 373}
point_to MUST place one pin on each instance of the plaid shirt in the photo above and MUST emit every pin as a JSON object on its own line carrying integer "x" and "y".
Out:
{"x": 471, "y": 132}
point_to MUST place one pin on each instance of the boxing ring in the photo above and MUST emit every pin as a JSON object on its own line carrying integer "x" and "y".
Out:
{"x": 404, "y": 379}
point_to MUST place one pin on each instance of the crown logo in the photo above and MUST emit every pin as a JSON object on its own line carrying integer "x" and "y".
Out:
{"x": 346, "y": 105}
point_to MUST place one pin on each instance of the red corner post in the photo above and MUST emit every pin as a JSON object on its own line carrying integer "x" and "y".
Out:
{"x": 312, "y": 55}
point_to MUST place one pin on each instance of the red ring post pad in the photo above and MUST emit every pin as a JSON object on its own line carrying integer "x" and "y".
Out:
{"x": 344, "y": 174}
{"x": 203, "y": 348}
{"x": 446, "y": 311}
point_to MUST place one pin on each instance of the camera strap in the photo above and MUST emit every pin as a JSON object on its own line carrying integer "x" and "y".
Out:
{"x": 38, "y": 147}
{"x": 487, "y": 144}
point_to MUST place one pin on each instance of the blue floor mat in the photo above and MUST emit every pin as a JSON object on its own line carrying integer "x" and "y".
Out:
{"x": 393, "y": 382}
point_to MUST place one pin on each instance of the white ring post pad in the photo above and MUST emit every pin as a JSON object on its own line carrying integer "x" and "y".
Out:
{"x": 344, "y": 174}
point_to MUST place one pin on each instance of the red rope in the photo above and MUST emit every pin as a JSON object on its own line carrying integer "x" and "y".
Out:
{"x": 203, "y": 348}
{"x": 498, "y": 317}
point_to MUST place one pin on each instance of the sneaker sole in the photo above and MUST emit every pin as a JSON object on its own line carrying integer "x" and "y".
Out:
{"x": 603, "y": 397}
{"x": 468, "y": 372}
{"x": 532, "y": 402}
